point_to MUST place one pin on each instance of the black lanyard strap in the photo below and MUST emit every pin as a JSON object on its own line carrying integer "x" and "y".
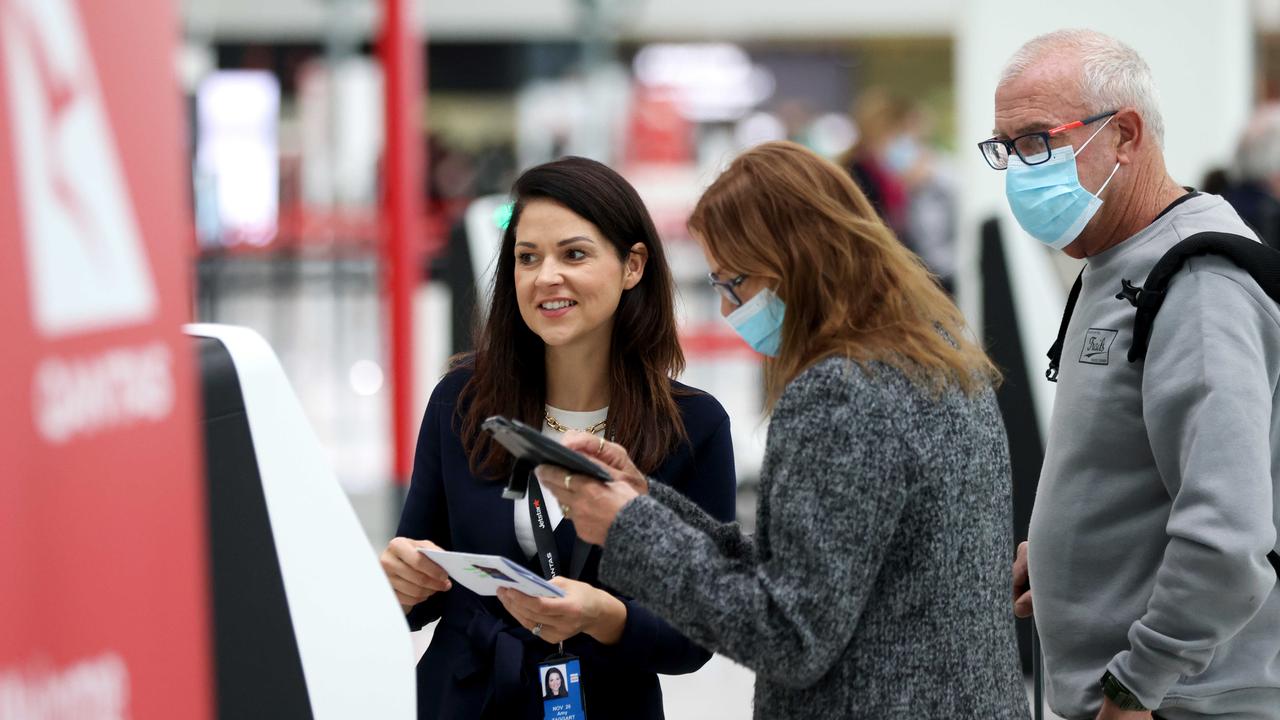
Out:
{"x": 545, "y": 540}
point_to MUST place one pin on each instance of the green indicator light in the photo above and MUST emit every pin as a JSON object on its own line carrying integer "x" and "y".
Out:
{"x": 502, "y": 215}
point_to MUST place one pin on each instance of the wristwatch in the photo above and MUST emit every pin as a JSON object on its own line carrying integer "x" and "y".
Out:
{"x": 1119, "y": 694}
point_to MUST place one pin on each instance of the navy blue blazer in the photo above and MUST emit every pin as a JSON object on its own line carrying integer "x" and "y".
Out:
{"x": 481, "y": 662}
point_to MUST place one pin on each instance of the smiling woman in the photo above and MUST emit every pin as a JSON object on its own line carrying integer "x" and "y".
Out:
{"x": 582, "y": 312}
{"x": 581, "y": 335}
{"x": 569, "y": 280}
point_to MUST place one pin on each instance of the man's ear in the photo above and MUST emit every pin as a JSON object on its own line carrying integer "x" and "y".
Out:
{"x": 1132, "y": 131}
{"x": 634, "y": 266}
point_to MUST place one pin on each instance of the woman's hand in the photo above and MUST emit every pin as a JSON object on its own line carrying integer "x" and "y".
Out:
{"x": 612, "y": 455}
{"x": 583, "y": 609}
{"x": 413, "y": 575}
{"x": 591, "y": 505}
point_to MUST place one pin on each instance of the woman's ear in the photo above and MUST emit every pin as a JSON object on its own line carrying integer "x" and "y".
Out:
{"x": 634, "y": 266}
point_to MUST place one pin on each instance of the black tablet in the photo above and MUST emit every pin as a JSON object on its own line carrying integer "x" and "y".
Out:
{"x": 533, "y": 447}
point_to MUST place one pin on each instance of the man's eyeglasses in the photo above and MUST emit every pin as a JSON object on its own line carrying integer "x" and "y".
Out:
{"x": 1032, "y": 148}
{"x": 726, "y": 287}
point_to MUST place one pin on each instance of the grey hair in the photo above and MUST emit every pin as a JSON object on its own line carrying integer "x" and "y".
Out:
{"x": 1113, "y": 74}
{"x": 1258, "y": 155}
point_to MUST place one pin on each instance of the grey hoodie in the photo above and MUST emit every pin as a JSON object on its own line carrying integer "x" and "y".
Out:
{"x": 1156, "y": 507}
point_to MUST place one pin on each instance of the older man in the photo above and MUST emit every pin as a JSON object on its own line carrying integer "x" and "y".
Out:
{"x": 1156, "y": 508}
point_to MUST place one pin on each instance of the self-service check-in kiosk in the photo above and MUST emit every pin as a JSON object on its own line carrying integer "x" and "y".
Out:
{"x": 305, "y": 623}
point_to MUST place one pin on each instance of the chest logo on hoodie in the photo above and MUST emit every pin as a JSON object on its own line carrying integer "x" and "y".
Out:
{"x": 1097, "y": 346}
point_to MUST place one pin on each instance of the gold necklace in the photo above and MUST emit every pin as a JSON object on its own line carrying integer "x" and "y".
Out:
{"x": 555, "y": 425}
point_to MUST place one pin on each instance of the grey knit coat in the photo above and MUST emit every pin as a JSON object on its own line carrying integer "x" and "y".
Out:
{"x": 878, "y": 582}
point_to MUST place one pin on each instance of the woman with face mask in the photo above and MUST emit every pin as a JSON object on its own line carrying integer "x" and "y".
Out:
{"x": 877, "y": 583}
{"x": 580, "y": 336}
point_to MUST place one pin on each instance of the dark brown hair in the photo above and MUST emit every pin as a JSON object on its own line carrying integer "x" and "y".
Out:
{"x": 784, "y": 214}
{"x": 509, "y": 363}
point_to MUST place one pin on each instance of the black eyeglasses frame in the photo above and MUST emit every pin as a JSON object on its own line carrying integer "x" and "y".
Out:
{"x": 1011, "y": 146}
{"x": 726, "y": 287}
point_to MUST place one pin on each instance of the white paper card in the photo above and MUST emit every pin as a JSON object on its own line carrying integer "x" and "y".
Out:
{"x": 484, "y": 574}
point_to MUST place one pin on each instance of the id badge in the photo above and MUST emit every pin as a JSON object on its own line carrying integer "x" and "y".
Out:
{"x": 561, "y": 685}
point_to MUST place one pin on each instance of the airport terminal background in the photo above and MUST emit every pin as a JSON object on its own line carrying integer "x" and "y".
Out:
{"x": 283, "y": 114}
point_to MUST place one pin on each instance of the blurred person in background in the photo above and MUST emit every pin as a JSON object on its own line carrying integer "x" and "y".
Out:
{"x": 899, "y": 173}
{"x": 930, "y": 221}
{"x": 581, "y": 335}
{"x": 1257, "y": 175}
{"x": 1216, "y": 181}
{"x": 1156, "y": 507}
{"x": 797, "y": 116}
{"x": 880, "y": 120}
{"x": 875, "y": 586}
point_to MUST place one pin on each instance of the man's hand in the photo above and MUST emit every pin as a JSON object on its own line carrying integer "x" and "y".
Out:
{"x": 1021, "y": 584}
{"x": 1109, "y": 711}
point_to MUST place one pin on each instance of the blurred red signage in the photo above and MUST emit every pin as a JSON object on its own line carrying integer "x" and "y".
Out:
{"x": 657, "y": 132}
{"x": 102, "y": 550}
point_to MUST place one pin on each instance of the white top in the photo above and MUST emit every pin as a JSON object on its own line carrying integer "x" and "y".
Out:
{"x": 524, "y": 526}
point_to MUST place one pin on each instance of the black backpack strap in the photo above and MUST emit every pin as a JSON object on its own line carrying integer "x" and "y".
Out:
{"x": 1055, "y": 352}
{"x": 1260, "y": 261}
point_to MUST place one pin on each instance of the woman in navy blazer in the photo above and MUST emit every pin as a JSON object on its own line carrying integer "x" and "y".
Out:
{"x": 582, "y": 326}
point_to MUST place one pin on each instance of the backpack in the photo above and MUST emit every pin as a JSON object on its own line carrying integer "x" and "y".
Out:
{"x": 1260, "y": 261}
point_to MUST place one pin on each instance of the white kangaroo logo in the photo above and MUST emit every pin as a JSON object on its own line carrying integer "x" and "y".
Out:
{"x": 86, "y": 264}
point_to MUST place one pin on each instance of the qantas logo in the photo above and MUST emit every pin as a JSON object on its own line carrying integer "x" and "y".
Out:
{"x": 85, "y": 257}
{"x": 86, "y": 262}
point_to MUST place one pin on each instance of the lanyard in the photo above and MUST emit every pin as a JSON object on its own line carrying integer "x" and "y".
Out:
{"x": 569, "y": 705}
{"x": 545, "y": 540}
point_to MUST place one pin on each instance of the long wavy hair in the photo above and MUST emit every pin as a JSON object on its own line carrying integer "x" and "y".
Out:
{"x": 781, "y": 213}
{"x": 510, "y": 376}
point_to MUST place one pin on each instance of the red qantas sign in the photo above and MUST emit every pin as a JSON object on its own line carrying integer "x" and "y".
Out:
{"x": 102, "y": 553}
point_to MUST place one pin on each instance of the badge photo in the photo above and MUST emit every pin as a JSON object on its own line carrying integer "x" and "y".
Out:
{"x": 560, "y": 680}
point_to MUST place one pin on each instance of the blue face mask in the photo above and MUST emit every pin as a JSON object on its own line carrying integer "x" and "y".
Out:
{"x": 1048, "y": 200}
{"x": 759, "y": 322}
{"x": 902, "y": 154}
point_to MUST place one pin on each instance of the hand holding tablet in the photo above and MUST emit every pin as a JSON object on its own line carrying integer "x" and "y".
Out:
{"x": 530, "y": 446}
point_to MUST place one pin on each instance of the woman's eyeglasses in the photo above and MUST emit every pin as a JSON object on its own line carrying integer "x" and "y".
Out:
{"x": 726, "y": 287}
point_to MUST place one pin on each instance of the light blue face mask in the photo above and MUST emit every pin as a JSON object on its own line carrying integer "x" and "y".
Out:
{"x": 1048, "y": 200}
{"x": 759, "y": 322}
{"x": 902, "y": 154}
